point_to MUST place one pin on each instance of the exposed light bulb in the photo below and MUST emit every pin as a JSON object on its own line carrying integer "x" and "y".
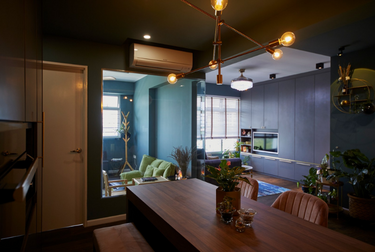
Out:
{"x": 172, "y": 78}
{"x": 212, "y": 64}
{"x": 287, "y": 39}
{"x": 219, "y": 5}
{"x": 147, "y": 36}
{"x": 277, "y": 54}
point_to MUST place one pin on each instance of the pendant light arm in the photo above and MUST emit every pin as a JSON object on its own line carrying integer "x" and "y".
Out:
{"x": 198, "y": 9}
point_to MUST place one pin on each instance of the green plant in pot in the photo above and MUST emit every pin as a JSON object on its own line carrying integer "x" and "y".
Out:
{"x": 360, "y": 173}
{"x": 309, "y": 181}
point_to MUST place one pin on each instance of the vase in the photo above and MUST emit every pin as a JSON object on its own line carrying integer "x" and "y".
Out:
{"x": 235, "y": 195}
{"x": 227, "y": 217}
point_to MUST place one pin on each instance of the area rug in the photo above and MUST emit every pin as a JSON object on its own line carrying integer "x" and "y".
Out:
{"x": 266, "y": 189}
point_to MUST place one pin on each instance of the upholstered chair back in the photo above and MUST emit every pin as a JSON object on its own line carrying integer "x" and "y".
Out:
{"x": 249, "y": 191}
{"x": 303, "y": 205}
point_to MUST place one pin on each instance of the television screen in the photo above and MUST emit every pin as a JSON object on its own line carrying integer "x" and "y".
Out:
{"x": 266, "y": 142}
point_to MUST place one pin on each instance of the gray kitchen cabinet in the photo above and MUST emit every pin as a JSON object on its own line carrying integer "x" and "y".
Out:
{"x": 271, "y": 106}
{"x": 322, "y": 115}
{"x": 257, "y": 163}
{"x": 286, "y": 118}
{"x": 257, "y": 107}
{"x": 304, "y": 120}
{"x": 245, "y": 116}
{"x": 270, "y": 166}
{"x": 286, "y": 169}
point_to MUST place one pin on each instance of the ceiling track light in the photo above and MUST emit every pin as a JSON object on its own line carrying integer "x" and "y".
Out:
{"x": 272, "y": 76}
{"x": 341, "y": 51}
{"x": 319, "y": 66}
{"x": 287, "y": 39}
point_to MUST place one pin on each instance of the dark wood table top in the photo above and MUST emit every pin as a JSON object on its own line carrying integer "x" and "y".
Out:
{"x": 184, "y": 211}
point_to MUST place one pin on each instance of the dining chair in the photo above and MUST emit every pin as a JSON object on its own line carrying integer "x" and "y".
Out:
{"x": 303, "y": 205}
{"x": 249, "y": 191}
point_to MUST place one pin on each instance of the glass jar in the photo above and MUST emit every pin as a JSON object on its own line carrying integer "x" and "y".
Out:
{"x": 247, "y": 216}
{"x": 239, "y": 225}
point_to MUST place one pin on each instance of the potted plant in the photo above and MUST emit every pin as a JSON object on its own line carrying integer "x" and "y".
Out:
{"x": 360, "y": 173}
{"x": 309, "y": 181}
{"x": 226, "y": 209}
{"x": 227, "y": 179}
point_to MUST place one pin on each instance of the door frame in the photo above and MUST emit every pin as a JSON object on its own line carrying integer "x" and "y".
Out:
{"x": 56, "y": 66}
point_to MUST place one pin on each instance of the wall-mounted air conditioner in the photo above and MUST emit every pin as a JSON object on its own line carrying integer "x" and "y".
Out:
{"x": 160, "y": 59}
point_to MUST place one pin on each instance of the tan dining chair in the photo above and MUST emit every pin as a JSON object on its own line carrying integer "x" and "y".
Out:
{"x": 108, "y": 187}
{"x": 249, "y": 191}
{"x": 303, "y": 205}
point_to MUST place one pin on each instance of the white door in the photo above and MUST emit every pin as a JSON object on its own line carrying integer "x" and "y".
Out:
{"x": 64, "y": 170}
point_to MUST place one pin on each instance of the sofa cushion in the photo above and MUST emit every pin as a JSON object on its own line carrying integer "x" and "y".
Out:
{"x": 169, "y": 168}
{"x": 130, "y": 175}
{"x": 156, "y": 162}
{"x": 146, "y": 160}
{"x": 158, "y": 172}
{"x": 149, "y": 171}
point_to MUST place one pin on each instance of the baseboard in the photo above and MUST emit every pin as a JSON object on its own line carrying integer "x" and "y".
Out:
{"x": 106, "y": 220}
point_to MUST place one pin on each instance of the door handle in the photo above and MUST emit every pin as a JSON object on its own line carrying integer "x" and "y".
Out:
{"x": 7, "y": 153}
{"x": 78, "y": 150}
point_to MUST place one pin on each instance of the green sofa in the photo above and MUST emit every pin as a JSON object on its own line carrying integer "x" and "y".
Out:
{"x": 150, "y": 167}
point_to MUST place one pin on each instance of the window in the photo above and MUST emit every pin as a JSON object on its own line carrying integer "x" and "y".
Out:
{"x": 222, "y": 123}
{"x": 111, "y": 116}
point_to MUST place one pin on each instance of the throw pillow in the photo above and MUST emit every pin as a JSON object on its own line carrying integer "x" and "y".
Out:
{"x": 149, "y": 171}
{"x": 158, "y": 172}
{"x": 170, "y": 169}
{"x": 156, "y": 162}
{"x": 146, "y": 160}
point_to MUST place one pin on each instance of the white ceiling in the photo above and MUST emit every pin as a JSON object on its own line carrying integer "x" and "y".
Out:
{"x": 261, "y": 66}
{"x": 257, "y": 68}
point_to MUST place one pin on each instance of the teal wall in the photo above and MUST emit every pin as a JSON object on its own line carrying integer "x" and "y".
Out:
{"x": 353, "y": 131}
{"x": 173, "y": 118}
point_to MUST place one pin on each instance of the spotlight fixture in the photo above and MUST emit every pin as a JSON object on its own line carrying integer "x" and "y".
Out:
{"x": 272, "y": 76}
{"x": 241, "y": 83}
{"x": 287, "y": 39}
{"x": 341, "y": 51}
{"x": 146, "y": 36}
{"x": 319, "y": 66}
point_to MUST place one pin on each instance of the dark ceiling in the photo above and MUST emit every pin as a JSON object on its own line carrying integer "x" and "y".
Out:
{"x": 320, "y": 26}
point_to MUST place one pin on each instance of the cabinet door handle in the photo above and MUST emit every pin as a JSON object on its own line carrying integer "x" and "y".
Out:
{"x": 285, "y": 161}
{"x": 256, "y": 157}
{"x": 304, "y": 164}
{"x": 270, "y": 159}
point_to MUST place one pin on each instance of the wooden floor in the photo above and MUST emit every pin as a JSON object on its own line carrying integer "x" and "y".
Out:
{"x": 79, "y": 239}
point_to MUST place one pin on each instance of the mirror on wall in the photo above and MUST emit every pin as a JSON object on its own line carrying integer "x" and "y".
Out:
{"x": 145, "y": 115}
{"x": 118, "y": 142}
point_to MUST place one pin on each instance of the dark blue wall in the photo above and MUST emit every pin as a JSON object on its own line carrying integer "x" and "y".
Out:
{"x": 353, "y": 131}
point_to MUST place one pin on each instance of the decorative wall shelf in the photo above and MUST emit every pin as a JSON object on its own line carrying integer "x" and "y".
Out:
{"x": 356, "y": 99}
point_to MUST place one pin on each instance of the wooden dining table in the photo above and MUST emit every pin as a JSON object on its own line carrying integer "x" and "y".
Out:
{"x": 181, "y": 216}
